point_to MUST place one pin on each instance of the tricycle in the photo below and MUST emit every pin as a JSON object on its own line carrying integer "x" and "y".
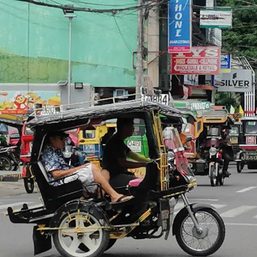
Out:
{"x": 247, "y": 154}
{"x": 89, "y": 226}
{"x": 210, "y": 146}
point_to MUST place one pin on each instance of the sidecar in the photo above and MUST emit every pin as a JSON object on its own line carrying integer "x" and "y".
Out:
{"x": 88, "y": 225}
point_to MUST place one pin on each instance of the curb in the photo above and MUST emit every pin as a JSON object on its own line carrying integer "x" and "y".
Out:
{"x": 10, "y": 177}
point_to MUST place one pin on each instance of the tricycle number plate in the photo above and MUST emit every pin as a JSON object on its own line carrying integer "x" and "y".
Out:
{"x": 250, "y": 157}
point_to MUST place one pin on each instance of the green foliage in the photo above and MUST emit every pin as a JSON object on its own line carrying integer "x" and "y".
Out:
{"x": 227, "y": 99}
{"x": 241, "y": 40}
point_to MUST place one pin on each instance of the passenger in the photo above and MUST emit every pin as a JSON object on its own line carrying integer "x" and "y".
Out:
{"x": 183, "y": 137}
{"x": 118, "y": 157}
{"x": 58, "y": 169}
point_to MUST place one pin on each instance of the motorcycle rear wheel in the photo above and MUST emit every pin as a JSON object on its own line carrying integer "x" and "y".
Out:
{"x": 5, "y": 163}
{"x": 203, "y": 243}
{"x": 71, "y": 240}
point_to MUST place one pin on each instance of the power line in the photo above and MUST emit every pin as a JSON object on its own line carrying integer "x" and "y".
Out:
{"x": 86, "y": 9}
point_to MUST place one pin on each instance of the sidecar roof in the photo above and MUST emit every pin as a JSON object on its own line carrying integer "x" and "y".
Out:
{"x": 79, "y": 115}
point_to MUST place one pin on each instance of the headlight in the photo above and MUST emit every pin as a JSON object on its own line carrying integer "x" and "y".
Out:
{"x": 213, "y": 151}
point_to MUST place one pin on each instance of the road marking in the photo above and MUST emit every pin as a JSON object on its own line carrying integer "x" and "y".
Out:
{"x": 204, "y": 199}
{"x": 241, "y": 224}
{"x": 245, "y": 189}
{"x": 218, "y": 206}
{"x": 237, "y": 211}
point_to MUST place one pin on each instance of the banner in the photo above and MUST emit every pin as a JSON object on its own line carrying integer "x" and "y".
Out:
{"x": 201, "y": 60}
{"x": 179, "y": 26}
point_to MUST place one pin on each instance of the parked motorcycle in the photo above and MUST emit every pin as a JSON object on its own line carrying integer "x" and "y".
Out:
{"x": 9, "y": 159}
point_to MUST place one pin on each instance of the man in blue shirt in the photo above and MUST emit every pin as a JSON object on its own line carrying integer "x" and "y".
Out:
{"x": 58, "y": 169}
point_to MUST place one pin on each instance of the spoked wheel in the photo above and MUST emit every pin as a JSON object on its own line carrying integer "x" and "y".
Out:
{"x": 81, "y": 234}
{"x": 29, "y": 184}
{"x": 5, "y": 163}
{"x": 239, "y": 167}
{"x": 205, "y": 241}
{"x": 213, "y": 178}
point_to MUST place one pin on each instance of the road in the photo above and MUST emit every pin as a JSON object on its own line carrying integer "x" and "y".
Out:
{"x": 235, "y": 201}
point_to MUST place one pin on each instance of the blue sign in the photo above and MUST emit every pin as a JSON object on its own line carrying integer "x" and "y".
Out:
{"x": 225, "y": 62}
{"x": 179, "y": 26}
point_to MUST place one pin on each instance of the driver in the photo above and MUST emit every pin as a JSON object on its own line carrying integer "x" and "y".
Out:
{"x": 58, "y": 169}
{"x": 118, "y": 157}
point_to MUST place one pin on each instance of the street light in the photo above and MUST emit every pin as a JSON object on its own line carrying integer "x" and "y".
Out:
{"x": 69, "y": 14}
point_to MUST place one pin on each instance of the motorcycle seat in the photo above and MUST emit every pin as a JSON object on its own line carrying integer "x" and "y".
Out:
{"x": 135, "y": 182}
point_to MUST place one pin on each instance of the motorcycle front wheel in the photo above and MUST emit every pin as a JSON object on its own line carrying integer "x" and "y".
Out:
{"x": 239, "y": 167}
{"x": 5, "y": 163}
{"x": 205, "y": 241}
{"x": 213, "y": 178}
{"x": 29, "y": 184}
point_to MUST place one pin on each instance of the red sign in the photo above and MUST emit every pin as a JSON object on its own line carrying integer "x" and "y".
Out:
{"x": 201, "y": 60}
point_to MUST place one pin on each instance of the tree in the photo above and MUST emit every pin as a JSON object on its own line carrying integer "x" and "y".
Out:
{"x": 241, "y": 40}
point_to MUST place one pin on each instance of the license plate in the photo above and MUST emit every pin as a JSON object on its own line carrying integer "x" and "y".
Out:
{"x": 233, "y": 140}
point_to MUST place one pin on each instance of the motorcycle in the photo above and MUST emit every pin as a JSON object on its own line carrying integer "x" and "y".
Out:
{"x": 215, "y": 163}
{"x": 9, "y": 160}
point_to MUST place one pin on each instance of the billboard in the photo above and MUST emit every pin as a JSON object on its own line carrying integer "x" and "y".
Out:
{"x": 220, "y": 18}
{"x": 179, "y": 26}
{"x": 202, "y": 60}
{"x": 239, "y": 80}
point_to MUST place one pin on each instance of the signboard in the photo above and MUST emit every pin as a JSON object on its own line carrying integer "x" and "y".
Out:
{"x": 192, "y": 105}
{"x": 161, "y": 98}
{"x": 219, "y": 18}
{"x": 201, "y": 60}
{"x": 236, "y": 81}
{"x": 135, "y": 146}
{"x": 179, "y": 26}
{"x": 191, "y": 80}
{"x": 225, "y": 63}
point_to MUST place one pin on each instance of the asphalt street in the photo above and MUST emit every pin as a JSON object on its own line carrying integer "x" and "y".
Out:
{"x": 235, "y": 202}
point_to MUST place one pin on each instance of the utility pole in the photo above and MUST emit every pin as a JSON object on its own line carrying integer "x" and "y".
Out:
{"x": 69, "y": 14}
{"x": 140, "y": 40}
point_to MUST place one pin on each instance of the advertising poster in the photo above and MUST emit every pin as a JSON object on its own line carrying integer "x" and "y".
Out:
{"x": 22, "y": 102}
{"x": 179, "y": 26}
{"x": 202, "y": 60}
